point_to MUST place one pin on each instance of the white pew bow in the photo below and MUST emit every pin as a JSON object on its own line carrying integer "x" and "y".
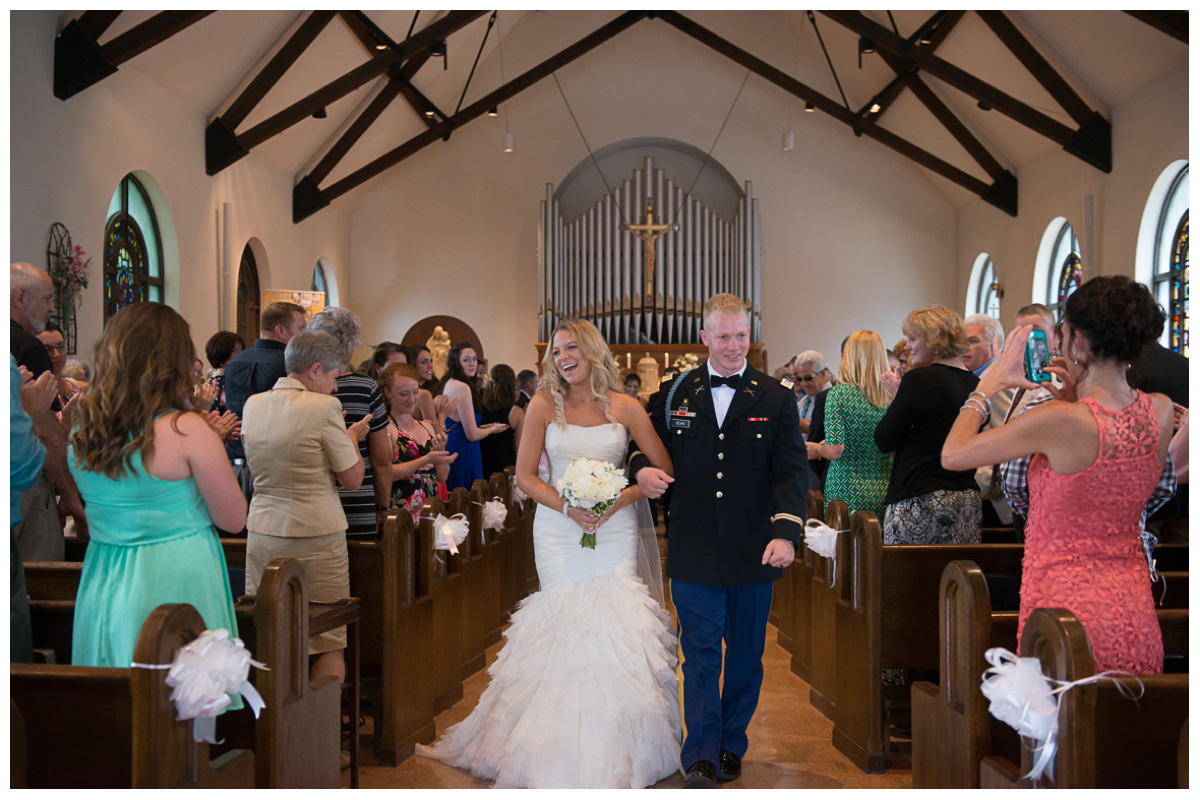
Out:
{"x": 450, "y": 532}
{"x": 494, "y": 514}
{"x": 822, "y": 540}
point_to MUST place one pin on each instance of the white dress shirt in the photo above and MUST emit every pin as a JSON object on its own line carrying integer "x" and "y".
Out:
{"x": 722, "y": 396}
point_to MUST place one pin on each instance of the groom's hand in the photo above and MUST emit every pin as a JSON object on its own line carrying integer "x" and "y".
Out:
{"x": 779, "y": 553}
{"x": 653, "y": 481}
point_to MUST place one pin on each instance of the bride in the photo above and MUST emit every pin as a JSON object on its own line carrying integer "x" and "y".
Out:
{"x": 584, "y": 693}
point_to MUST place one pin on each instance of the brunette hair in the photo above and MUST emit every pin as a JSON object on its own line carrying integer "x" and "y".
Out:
{"x": 1117, "y": 316}
{"x": 501, "y": 391}
{"x": 454, "y": 371}
{"x": 143, "y": 369}
{"x": 382, "y": 353}
{"x": 219, "y": 348}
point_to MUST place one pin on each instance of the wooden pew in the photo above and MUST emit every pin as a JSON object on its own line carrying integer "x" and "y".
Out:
{"x": 951, "y": 728}
{"x": 496, "y": 541}
{"x": 801, "y": 599}
{"x": 296, "y": 738}
{"x": 1104, "y": 739}
{"x": 783, "y": 595}
{"x": 471, "y": 565}
{"x": 446, "y": 589}
{"x": 823, "y": 592}
{"x": 886, "y": 618}
{"x": 100, "y": 727}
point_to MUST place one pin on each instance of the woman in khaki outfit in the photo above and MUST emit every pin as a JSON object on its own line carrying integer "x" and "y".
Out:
{"x": 296, "y": 445}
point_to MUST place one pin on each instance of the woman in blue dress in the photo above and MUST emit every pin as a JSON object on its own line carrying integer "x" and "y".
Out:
{"x": 463, "y": 428}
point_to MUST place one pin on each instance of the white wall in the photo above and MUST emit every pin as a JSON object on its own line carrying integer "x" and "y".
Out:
{"x": 68, "y": 157}
{"x": 1150, "y": 130}
{"x": 854, "y": 236}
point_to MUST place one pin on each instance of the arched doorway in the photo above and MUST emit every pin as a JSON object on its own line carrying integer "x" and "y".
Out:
{"x": 248, "y": 295}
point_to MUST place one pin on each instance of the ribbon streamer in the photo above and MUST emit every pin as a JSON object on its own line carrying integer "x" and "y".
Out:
{"x": 822, "y": 540}
{"x": 450, "y": 532}
{"x": 1021, "y": 697}
{"x": 204, "y": 674}
{"x": 517, "y": 495}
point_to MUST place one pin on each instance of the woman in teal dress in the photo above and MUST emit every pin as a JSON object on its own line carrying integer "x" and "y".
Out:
{"x": 155, "y": 479}
{"x": 858, "y": 471}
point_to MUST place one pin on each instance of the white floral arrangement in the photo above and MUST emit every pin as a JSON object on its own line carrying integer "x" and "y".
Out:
{"x": 593, "y": 486}
{"x": 687, "y": 361}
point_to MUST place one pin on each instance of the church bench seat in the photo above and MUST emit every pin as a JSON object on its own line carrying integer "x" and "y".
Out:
{"x": 446, "y": 592}
{"x": 1105, "y": 740}
{"x": 887, "y": 618}
{"x": 799, "y": 639}
{"x": 826, "y": 577}
{"x": 472, "y": 561}
{"x": 101, "y": 727}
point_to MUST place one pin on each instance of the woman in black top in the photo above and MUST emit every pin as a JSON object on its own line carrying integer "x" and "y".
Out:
{"x": 499, "y": 405}
{"x": 927, "y": 504}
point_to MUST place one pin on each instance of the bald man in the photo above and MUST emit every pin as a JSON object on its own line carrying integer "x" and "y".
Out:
{"x": 39, "y": 534}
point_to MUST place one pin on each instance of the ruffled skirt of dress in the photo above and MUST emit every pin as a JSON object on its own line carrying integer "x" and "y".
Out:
{"x": 583, "y": 694}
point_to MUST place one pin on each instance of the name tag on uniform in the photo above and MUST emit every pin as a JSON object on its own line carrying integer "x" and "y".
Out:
{"x": 680, "y": 423}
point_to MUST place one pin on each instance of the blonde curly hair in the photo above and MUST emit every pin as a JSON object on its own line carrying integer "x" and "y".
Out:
{"x": 605, "y": 376}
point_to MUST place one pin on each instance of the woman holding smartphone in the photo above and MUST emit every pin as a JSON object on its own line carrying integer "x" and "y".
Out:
{"x": 1096, "y": 462}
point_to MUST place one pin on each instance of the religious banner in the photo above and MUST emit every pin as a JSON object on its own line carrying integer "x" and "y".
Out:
{"x": 311, "y": 302}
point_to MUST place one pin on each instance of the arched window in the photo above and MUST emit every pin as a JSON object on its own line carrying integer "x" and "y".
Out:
{"x": 983, "y": 289}
{"x": 318, "y": 281}
{"x": 325, "y": 280}
{"x": 248, "y": 294}
{"x": 133, "y": 258}
{"x": 1171, "y": 264}
{"x": 1066, "y": 273}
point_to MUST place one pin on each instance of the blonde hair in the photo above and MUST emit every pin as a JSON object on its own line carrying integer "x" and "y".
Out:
{"x": 605, "y": 376}
{"x": 143, "y": 369}
{"x": 723, "y": 303}
{"x": 864, "y": 360}
{"x": 940, "y": 328}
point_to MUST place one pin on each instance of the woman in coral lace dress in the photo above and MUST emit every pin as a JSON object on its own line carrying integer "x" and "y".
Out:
{"x": 1096, "y": 463}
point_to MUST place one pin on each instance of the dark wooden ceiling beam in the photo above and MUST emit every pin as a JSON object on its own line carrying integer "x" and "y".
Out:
{"x": 366, "y": 37}
{"x": 340, "y": 87}
{"x": 942, "y": 22}
{"x": 1037, "y": 65}
{"x": 308, "y": 198}
{"x": 1172, "y": 23}
{"x": 1003, "y": 196}
{"x": 95, "y": 23}
{"x": 371, "y": 113}
{"x": 155, "y": 30}
{"x": 279, "y": 64}
{"x": 956, "y": 77}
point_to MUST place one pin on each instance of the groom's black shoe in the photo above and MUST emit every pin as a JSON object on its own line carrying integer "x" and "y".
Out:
{"x": 701, "y": 775}
{"x": 731, "y": 767}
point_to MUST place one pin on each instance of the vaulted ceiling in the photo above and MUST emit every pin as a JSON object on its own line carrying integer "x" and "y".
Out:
{"x": 337, "y": 98}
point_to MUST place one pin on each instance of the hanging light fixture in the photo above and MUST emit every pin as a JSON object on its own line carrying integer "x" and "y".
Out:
{"x": 509, "y": 147}
{"x": 789, "y": 141}
{"x": 494, "y": 111}
{"x": 809, "y": 107}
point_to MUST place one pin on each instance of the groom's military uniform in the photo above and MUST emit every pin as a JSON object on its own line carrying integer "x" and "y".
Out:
{"x": 740, "y": 481}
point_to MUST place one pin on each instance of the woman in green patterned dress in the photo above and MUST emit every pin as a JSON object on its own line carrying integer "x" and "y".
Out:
{"x": 858, "y": 471}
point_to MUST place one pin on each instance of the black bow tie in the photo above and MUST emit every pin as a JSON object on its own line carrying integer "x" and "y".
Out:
{"x": 733, "y": 381}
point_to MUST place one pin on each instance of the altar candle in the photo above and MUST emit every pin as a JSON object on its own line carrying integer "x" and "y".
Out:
{"x": 666, "y": 361}
{"x": 629, "y": 361}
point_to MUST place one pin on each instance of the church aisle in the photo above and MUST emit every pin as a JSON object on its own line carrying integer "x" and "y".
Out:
{"x": 790, "y": 744}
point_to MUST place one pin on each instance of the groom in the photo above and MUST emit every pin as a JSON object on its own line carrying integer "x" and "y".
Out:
{"x": 736, "y": 517}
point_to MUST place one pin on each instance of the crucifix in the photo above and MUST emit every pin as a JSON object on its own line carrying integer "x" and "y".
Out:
{"x": 648, "y": 232}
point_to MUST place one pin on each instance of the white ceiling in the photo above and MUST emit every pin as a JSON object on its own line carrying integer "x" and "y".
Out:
{"x": 1104, "y": 55}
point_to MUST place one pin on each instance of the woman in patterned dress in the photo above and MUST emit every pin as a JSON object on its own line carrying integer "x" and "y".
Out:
{"x": 418, "y": 460}
{"x": 858, "y": 471}
{"x": 1096, "y": 462}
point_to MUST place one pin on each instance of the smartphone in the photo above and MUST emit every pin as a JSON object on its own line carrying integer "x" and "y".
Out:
{"x": 1037, "y": 357}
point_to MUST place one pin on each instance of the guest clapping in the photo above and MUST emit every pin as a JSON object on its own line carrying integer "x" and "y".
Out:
{"x": 366, "y": 505}
{"x": 419, "y": 461}
{"x": 296, "y": 441}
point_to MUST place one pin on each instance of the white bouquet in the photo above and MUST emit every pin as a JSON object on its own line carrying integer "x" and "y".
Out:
{"x": 592, "y": 485}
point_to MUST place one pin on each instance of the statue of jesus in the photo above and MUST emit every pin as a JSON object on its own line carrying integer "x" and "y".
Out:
{"x": 648, "y": 232}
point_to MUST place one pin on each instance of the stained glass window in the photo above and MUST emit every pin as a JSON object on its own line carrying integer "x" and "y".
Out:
{"x": 1067, "y": 274}
{"x": 132, "y": 250}
{"x": 1171, "y": 285}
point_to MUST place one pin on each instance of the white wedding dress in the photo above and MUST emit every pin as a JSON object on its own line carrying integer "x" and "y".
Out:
{"x": 584, "y": 693}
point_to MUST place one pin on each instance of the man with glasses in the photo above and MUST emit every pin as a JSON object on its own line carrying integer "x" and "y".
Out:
{"x": 813, "y": 377}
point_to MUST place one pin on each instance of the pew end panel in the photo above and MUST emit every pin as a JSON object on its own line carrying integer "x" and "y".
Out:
{"x": 802, "y": 597}
{"x": 823, "y": 597}
{"x": 118, "y": 725}
{"x": 446, "y": 590}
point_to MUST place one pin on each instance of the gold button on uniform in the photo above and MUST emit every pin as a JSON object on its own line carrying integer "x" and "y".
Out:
{"x": 678, "y": 432}
{"x": 720, "y": 436}
{"x": 720, "y": 456}
{"x": 719, "y": 476}
{"x": 760, "y": 435}
{"x": 718, "y": 495}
